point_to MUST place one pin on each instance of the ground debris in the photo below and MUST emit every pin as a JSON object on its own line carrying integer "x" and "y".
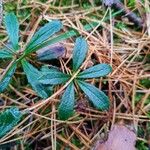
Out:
{"x": 51, "y": 52}
{"x": 120, "y": 137}
{"x": 118, "y": 5}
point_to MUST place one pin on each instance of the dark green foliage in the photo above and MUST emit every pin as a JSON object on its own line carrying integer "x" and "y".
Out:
{"x": 66, "y": 107}
{"x": 8, "y": 119}
{"x": 53, "y": 76}
{"x": 5, "y": 53}
{"x": 145, "y": 82}
{"x": 39, "y": 40}
{"x": 99, "y": 70}
{"x": 43, "y": 34}
{"x": 6, "y": 80}
{"x": 97, "y": 97}
{"x": 141, "y": 145}
{"x": 32, "y": 75}
{"x": 79, "y": 52}
{"x": 40, "y": 80}
{"x": 12, "y": 27}
{"x": 132, "y": 3}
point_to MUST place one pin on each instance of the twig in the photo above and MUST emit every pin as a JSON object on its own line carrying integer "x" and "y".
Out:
{"x": 117, "y": 4}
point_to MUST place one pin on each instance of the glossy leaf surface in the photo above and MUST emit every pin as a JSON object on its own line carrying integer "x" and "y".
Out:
{"x": 7, "y": 78}
{"x": 53, "y": 76}
{"x": 99, "y": 70}
{"x": 66, "y": 107}
{"x": 43, "y": 34}
{"x": 12, "y": 27}
{"x": 79, "y": 52}
{"x": 32, "y": 75}
{"x": 8, "y": 119}
{"x": 97, "y": 97}
{"x": 5, "y": 53}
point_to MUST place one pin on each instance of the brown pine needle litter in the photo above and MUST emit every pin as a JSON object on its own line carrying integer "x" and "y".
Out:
{"x": 116, "y": 41}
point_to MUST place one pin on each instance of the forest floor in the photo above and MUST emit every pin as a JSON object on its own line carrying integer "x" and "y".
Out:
{"x": 121, "y": 38}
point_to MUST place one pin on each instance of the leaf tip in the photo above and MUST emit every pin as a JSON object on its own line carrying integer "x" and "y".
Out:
{"x": 79, "y": 52}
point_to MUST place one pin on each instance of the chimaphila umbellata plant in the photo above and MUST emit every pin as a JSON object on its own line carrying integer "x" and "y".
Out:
{"x": 17, "y": 54}
{"x": 53, "y": 76}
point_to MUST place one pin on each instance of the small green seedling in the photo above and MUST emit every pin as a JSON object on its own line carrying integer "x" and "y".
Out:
{"x": 53, "y": 76}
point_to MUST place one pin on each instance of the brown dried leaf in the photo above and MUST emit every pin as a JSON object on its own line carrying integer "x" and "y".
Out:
{"x": 51, "y": 52}
{"x": 120, "y": 138}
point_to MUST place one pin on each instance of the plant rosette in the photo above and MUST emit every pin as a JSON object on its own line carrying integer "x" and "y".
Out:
{"x": 53, "y": 76}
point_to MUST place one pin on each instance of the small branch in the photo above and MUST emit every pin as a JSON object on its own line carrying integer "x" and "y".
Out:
{"x": 117, "y": 4}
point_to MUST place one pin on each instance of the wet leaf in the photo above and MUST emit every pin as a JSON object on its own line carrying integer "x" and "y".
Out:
{"x": 12, "y": 27}
{"x": 53, "y": 76}
{"x": 8, "y": 119}
{"x": 32, "y": 75}
{"x": 66, "y": 107}
{"x": 7, "y": 78}
{"x": 99, "y": 70}
{"x": 79, "y": 52}
{"x": 97, "y": 97}
{"x": 43, "y": 34}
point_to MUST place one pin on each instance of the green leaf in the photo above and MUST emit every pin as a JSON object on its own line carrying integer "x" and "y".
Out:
{"x": 66, "y": 107}
{"x": 67, "y": 35}
{"x": 6, "y": 80}
{"x": 12, "y": 27}
{"x": 97, "y": 97}
{"x": 43, "y": 34}
{"x": 54, "y": 40}
{"x": 99, "y": 70}
{"x": 5, "y": 53}
{"x": 32, "y": 75}
{"x": 53, "y": 76}
{"x": 79, "y": 52}
{"x": 8, "y": 119}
